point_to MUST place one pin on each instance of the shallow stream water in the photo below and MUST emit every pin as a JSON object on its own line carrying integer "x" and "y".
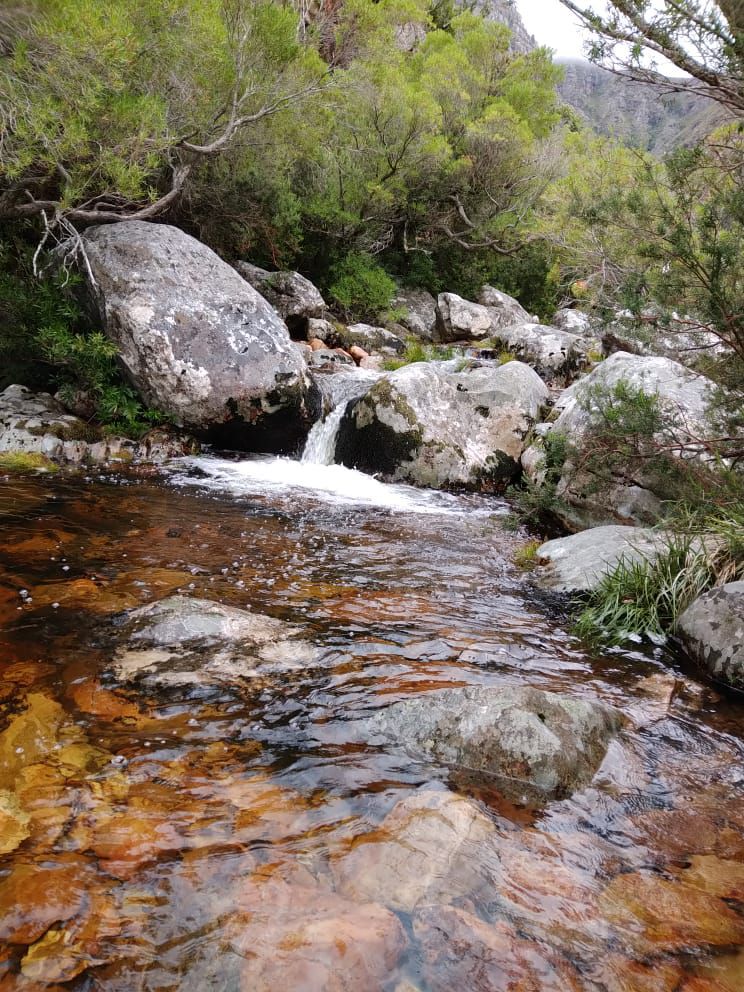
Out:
{"x": 248, "y": 838}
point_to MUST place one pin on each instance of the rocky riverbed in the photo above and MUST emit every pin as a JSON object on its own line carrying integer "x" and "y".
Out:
{"x": 254, "y": 804}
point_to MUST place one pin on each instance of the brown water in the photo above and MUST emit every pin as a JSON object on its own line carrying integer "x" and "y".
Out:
{"x": 249, "y": 839}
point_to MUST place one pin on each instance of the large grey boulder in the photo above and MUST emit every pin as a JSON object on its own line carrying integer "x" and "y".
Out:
{"x": 608, "y": 489}
{"x": 505, "y": 310}
{"x": 460, "y": 320}
{"x": 537, "y": 745}
{"x": 293, "y": 296}
{"x": 579, "y": 562}
{"x": 712, "y": 631}
{"x": 420, "y": 312}
{"x": 182, "y": 642}
{"x": 38, "y": 424}
{"x": 432, "y": 426}
{"x": 197, "y": 341}
{"x": 550, "y": 351}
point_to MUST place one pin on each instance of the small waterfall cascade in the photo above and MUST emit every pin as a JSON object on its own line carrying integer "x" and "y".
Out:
{"x": 342, "y": 389}
{"x": 320, "y": 446}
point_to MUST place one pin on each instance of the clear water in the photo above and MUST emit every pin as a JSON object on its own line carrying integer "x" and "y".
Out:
{"x": 217, "y": 841}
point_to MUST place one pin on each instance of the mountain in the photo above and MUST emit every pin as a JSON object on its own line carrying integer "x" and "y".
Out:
{"x": 638, "y": 114}
{"x": 505, "y": 11}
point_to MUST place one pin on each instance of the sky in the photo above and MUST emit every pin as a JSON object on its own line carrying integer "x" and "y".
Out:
{"x": 553, "y": 25}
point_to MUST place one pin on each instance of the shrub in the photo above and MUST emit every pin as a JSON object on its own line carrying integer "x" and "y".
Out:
{"x": 534, "y": 503}
{"x": 361, "y": 287}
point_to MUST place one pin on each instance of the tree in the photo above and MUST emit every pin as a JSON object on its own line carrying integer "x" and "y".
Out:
{"x": 108, "y": 110}
{"x": 703, "y": 39}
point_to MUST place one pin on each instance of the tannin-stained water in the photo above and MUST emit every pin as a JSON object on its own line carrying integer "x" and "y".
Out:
{"x": 250, "y": 838}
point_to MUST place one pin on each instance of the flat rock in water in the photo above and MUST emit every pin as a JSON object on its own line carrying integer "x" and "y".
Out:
{"x": 536, "y": 745}
{"x": 579, "y": 562}
{"x": 182, "y": 641}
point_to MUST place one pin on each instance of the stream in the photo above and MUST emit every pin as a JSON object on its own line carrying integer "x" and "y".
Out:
{"x": 213, "y": 839}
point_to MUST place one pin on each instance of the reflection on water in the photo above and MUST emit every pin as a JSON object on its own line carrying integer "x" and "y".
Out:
{"x": 249, "y": 839}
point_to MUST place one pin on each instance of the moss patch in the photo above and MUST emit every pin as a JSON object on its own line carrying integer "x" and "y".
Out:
{"x": 26, "y": 461}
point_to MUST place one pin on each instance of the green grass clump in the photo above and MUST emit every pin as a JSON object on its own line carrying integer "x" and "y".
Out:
{"x": 418, "y": 352}
{"x": 526, "y": 556}
{"x": 647, "y": 597}
{"x": 20, "y": 462}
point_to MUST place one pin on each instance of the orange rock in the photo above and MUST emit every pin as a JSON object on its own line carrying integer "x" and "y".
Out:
{"x": 25, "y": 673}
{"x": 358, "y": 354}
{"x": 90, "y": 697}
{"x": 705, "y": 985}
{"x": 297, "y": 937}
{"x": 673, "y": 834}
{"x": 658, "y": 915}
{"x": 33, "y": 897}
{"x": 715, "y": 876}
{"x": 316, "y": 344}
{"x": 125, "y": 842}
{"x": 615, "y": 973}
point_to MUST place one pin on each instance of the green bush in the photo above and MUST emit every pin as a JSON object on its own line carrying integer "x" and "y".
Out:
{"x": 361, "y": 287}
{"x": 46, "y": 342}
{"x": 534, "y": 503}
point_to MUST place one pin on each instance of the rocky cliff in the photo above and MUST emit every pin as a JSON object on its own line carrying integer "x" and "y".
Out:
{"x": 638, "y": 114}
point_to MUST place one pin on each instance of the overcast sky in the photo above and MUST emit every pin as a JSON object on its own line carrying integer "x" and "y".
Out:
{"x": 553, "y": 25}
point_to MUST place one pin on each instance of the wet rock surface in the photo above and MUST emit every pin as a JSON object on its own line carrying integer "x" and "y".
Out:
{"x": 538, "y": 745}
{"x": 182, "y": 641}
{"x": 712, "y": 631}
{"x": 197, "y": 341}
{"x": 433, "y": 426}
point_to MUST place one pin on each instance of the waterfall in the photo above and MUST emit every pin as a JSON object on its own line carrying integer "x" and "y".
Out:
{"x": 320, "y": 446}
{"x": 340, "y": 389}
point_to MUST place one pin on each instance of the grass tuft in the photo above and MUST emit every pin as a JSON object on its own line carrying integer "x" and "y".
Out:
{"x": 19, "y": 462}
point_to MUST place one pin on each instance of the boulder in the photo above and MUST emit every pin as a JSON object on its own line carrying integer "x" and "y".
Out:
{"x": 293, "y": 296}
{"x": 606, "y": 491}
{"x": 38, "y": 424}
{"x": 182, "y": 642}
{"x": 505, "y": 310}
{"x": 370, "y": 338}
{"x": 421, "y": 316}
{"x": 712, "y": 632}
{"x": 550, "y": 351}
{"x": 460, "y": 320}
{"x": 196, "y": 340}
{"x": 319, "y": 328}
{"x": 425, "y": 852}
{"x": 579, "y": 562}
{"x": 573, "y": 321}
{"x": 534, "y": 745}
{"x": 432, "y": 426}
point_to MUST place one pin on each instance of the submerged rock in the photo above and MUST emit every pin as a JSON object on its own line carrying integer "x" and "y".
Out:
{"x": 460, "y": 951}
{"x": 181, "y": 641}
{"x": 537, "y": 745}
{"x": 432, "y": 426}
{"x": 428, "y": 850}
{"x": 712, "y": 631}
{"x": 197, "y": 341}
{"x": 579, "y": 562}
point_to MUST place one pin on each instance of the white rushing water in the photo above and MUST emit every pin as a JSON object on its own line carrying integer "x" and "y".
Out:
{"x": 320, "y": 446}
{"x": 271, "y": 476}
